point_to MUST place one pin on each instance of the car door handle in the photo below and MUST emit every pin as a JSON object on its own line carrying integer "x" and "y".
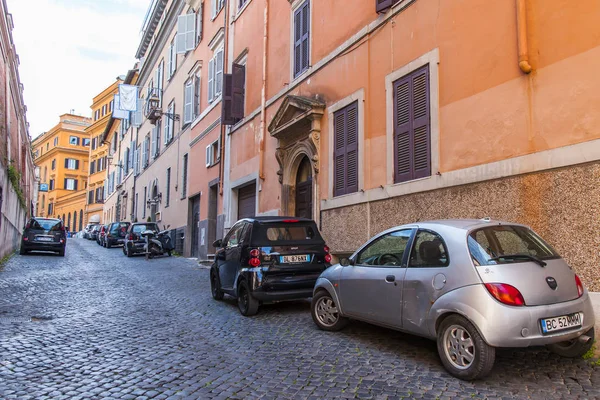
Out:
{"x": 390, "y": 278}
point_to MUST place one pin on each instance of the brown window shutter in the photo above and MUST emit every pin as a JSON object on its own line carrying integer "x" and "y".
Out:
{"x": 421, "y": 124}
{"x": 339, "y": 155}
{"x": 239, "y": 86}
{"x": 412, "y": 147}
{"x": 227, "y": 102}
{"x": 352, "y": 148}
{"x": 382, "y": 5}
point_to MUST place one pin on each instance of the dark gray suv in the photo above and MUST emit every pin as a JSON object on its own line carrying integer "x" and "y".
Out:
{"x": 45, "y": 234}
{"x": 134, "y": 242}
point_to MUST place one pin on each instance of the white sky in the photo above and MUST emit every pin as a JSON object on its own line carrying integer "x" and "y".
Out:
{"x": 71, "y": 50}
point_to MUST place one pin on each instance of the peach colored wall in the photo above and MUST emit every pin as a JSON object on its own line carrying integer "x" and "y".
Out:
{"x": 489, "y": 110}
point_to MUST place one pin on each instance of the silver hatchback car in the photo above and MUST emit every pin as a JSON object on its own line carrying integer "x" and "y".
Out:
{"x": 472, "y": 285}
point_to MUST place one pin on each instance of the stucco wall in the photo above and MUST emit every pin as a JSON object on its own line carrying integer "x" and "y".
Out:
{"x": 561, "y": 205}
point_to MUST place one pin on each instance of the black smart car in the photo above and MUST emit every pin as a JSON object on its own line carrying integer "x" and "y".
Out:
{"x": 45, "y": 234}
{"x": 268, "y": 259}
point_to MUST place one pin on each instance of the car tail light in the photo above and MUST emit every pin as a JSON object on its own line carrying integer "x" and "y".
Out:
{"x": 506, "y": 294}
{"x": 130, "y": 236}
{"x": 254, "y": 260}
{"x": 579, "y": 286}
{"x": 25, "y": 238}
{"x": 327, "y": 255}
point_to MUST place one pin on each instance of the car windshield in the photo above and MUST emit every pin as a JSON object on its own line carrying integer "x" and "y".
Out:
{"x": 46, "y": 224}
{"x": 144, "y": 227}
{"x": 287, "y": 233}
{"x": 503, "y": 244}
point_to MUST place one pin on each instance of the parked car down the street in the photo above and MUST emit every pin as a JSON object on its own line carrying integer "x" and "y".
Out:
{"x": 44, "y": 234}
{"x": 268, "y": 259}
{"x": 115, "y": 234}
{"x": 93, "y": 234}
{"x": 101, "y": 233}
{"x": 87, "y": 230}
{"x": 471, "y": 285}
{"x": 134, "y": 242}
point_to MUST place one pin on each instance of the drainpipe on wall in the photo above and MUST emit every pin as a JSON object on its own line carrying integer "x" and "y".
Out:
{"x": 263, "y": 125}
{"x": 522, "y": 36}
{"x": 223, "y": 127}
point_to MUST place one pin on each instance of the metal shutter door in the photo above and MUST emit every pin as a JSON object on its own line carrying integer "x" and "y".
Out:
{"x": 247, "y": 201}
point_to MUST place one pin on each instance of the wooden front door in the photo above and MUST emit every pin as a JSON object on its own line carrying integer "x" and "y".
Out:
{"x": 195, "y": 226}
{"x": 304, "y": 202}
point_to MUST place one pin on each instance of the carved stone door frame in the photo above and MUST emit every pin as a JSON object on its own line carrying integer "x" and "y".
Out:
{"x": 297, "y": 128}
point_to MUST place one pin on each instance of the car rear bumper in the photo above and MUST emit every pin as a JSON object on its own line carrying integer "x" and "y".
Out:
{"x": 42, "y": 246}
{"x": 506, "y": 326}
{"x": 280, "y": 287}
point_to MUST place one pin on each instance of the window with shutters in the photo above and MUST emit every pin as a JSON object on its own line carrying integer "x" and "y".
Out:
{"x": 345, "y": 157}
{"x": 74, "y": 140}
{"x": 215, "y": 75}
{"x": 169, "y": 124}
{"x": 55, "y": 141}
{"x": 86, "y": 142}
{"x": 91, "y": 197}
{"x": 217, "y": 6}
{"x": 196, "y": 96}
{"x": 71, "y": 163}
{"x": 172, "y": 63}
{"x": 53, "y": 164}
{"x": 156, "y": 130}
{"x": 51, "y": 184}
{"x": 93, "y": 167}
{"x": 184, "y": 177}
{"x": 234, "y": 87}
{"x": 168, "y": 191}
{"x": 70, "y": 184}
{"x": 199, "y": 23}
{"x": 213, "y": 153}
{"x": 144, "y": 203}
{"x": 188, "y": 101}
{"x": 126, "y": 161}
{"x": 301, "y": 38}
{"x": 186, "y": 33}
{"x": 412, "y": 147}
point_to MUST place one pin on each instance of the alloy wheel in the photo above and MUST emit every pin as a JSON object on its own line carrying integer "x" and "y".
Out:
{"x": 459, "y": 347}
{"x": 243, "y": 299}
{"x": 326, "y": 311}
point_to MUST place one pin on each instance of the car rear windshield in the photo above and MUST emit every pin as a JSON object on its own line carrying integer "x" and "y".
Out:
{"x": 488, "y": 245}
{"x": 144, "y": 227}
{"x": 121, "y": 226}
{"x": 46, "y": 224}
{"x": 288, "y": 233}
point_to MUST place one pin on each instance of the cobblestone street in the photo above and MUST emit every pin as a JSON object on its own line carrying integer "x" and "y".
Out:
{"x": 96, "y": 324}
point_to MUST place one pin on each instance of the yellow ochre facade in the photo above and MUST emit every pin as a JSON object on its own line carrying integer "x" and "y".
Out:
{"x": 62, "y": 155}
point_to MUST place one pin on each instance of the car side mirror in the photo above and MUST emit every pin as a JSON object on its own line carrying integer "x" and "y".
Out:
{"x": 344, "y": 262}
{"x": 217, "y": 243}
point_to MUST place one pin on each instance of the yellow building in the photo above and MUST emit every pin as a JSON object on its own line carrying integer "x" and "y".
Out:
{"x": 102, "y": 107}
{"x": 62, "y": 155}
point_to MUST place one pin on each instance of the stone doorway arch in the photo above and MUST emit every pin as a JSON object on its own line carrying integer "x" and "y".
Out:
{"x": 297, "y": 128}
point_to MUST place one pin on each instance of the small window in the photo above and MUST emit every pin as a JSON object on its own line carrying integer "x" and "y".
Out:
{"x": 290, "y": 233}
{"x": 74, "y": 140}
{"x": 55, "y": 141}
{"x": 428, "y": 251}
{"x": 213, "y": 153}
{"x": 215, "y": 75}
{"x": 386, "y": 250}
{"x": 86, "y": 142}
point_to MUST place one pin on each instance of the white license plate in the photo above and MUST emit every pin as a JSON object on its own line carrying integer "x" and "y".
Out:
{"x": 551, "y": 325}
{"x": 44, "y": 239}
{"x": 295, "y": 259}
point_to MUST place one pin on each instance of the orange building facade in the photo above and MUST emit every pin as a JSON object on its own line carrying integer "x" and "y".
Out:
{"x": 368, "y": 114}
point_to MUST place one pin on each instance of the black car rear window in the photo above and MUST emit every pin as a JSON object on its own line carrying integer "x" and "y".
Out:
{"x": 287, "y": 233}
{"x": 46, "y": 224}
{"x": 144, "y": 227}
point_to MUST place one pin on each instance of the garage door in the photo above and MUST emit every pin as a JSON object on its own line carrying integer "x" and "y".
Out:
{"x": 247, "y": 201}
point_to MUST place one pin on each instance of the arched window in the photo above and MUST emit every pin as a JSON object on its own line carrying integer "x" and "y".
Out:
{"x": 69, "y": 222}
{"x": 80, "y": 219}
{"x": 43, "y": 201}
{"x": 74, "y": 229}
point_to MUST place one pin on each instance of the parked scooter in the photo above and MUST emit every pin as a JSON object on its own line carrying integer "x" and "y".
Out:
{"x": 157, "y": 244}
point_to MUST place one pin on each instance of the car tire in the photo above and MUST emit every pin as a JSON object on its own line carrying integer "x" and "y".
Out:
{"x": 129, "y": 253}
{"x": 247, "y": 304}
{"x": 124, "y": 249}
{"x": 22, "y": 251}
{"x": 325, "y": 312}
{"x": 61, "y": 253}
{"x": 215, "y": 286}
{"x": 463, "y": 352}
{"x": 169, "y": 253}
{"x": 573, "y": 348}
